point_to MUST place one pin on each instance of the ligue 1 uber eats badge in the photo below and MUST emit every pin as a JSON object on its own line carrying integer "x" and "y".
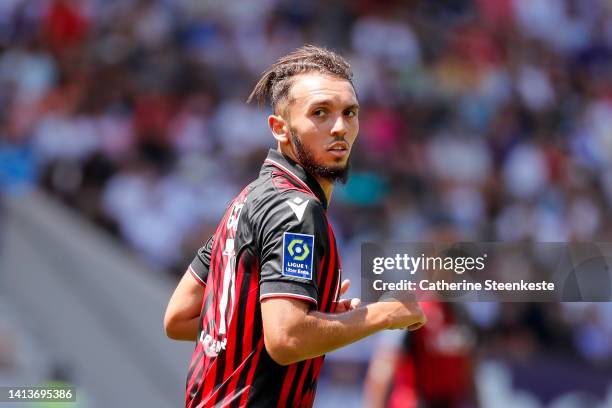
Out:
{"x": 297, "y": 255}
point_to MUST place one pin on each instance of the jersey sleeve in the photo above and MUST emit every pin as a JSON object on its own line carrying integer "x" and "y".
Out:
{"x": 291, "y": 249}
{"x": 201, "y": 263}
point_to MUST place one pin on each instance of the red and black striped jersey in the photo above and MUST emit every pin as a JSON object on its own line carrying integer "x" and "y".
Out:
{"x": 273, "y": 241}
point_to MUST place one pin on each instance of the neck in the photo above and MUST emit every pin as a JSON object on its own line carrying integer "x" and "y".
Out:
{"x": 326, "y": 185}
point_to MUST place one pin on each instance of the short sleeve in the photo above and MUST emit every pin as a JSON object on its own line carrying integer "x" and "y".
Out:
{"x": 291, "y": 248}
{"x": 201, "y": 263}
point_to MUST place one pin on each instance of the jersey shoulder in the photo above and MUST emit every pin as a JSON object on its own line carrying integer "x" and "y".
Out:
{"x": 273, "y": 190}
{"x": 274, "y": 206}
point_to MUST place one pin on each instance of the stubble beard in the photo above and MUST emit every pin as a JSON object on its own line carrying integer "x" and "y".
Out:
{"x": 338, "y": 173}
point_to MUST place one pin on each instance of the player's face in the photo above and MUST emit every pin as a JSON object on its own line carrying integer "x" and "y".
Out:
{"x": 322, "y": 115}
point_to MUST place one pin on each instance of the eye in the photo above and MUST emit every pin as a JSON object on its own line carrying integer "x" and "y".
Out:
{"x": 350, "y": 113}
{"x": 319, "y": 112}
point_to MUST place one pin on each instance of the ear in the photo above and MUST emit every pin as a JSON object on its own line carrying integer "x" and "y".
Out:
{"x": 279, "y": 128}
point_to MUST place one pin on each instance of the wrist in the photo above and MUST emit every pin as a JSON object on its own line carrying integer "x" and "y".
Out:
{"x": 383, "y": 312}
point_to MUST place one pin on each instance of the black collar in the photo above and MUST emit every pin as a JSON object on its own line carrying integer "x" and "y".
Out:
{"x": 296, "y": 173}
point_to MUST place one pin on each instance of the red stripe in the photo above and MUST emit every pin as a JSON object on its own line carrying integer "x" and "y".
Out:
{"x": 280, "y": 180}
{"x": 286, "y": 387}
{"x": 298, "y": 393}
{"x": 231, "y": 392}
{"x": 193, "y": 372}
{"x": 207, "y": 386}
{"x": 198, "y": 345}
{"x": 198, "y": 349}
{"x": 204, "y": 362}
{"x": 330, "y": 270}
{"x": 206, "y": 370}
{"x": 191, "y": 363}
{"x": 211, "y": 315}
{"x": 207, "y": 294}
{"x": 247, "y": 344}
{"x": 337, "y": 291}
{"x": 338, "y": 268}
{"x": 230, "y": 371}
{"x": 308, "y": 400}
{"x": 290, "y": 174}
{"x": 249, "y": 380}
{"x": 317, "y": 366}
{"x": 321, "y": 265}
{"x": 208, "y": 380}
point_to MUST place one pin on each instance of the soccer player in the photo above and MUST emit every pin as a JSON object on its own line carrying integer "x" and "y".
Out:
{"x": 261, "y": 296}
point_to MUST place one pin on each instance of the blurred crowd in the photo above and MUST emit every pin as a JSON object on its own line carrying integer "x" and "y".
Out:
{"x": 489, "y": 117}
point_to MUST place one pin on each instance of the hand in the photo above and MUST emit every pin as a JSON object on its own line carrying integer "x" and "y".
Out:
{"x": 345, "y": 305}
{"x": 405, "y": 313}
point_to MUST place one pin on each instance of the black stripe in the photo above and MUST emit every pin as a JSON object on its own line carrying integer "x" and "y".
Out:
{"x": 333, "y": 258}
{"x": 241, "y": 384}
{"x": 223, "y": 388}
{"x": 193, "y": 365}
{"x": 296, "y": 380}
{"x": 200, "y": 355}
{"x": 242, "y": 315}
{"x": 221, "y": 358}
{"x": 221, "y": 363}
{"x": 237, "y": 358}
{"x": 204, "y": 307}
{"x": 325, "y": 305}
{"x": 193, "y": 392}
{"x": 323, "y": 272}
{"x": 267, "y": 383}
{"x": 257, "y": 328}
{"x": 307, "y": 381}
{"x": 197, "y": 388}
{"x": 207, "y": 305}
{"x": 332, "y": 289}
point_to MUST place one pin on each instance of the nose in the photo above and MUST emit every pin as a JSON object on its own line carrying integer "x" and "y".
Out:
{"x": 340, "y": 127}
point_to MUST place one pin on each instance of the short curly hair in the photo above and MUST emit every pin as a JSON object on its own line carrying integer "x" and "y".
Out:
{"x": 275, "y": 82}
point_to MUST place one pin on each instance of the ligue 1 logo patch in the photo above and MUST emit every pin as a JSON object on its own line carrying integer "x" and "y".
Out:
{"x": 297, "y": 255}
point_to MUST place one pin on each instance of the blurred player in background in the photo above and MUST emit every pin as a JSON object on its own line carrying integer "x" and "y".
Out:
{"x": 261, "y": 296}
{"x": 429, "y": 368}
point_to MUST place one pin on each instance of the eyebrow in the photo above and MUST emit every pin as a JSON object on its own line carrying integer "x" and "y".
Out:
{"x": 327, "y": 102}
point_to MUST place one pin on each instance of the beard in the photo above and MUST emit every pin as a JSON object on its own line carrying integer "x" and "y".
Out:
{"x": 338, "y": 173}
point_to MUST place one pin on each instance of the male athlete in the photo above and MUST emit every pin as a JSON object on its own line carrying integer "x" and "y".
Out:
{"x": 261, "y": 296}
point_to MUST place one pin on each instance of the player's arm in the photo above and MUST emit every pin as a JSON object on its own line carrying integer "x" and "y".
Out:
{"x": 294, "y": 332}
{"x": 293, "y": 329}
{"x": 183, "y": 311}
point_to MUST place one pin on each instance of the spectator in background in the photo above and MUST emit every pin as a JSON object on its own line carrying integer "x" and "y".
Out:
{"x": 429, "y": 368}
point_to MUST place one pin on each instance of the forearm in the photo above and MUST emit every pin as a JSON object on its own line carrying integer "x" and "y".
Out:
{"x": 186, "y": 330}
{"x": 183, "y": 310}
{"x": 320, "y": 333}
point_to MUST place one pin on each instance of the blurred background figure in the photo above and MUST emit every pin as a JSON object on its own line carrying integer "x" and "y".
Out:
{"x": 429, "y": 368}
{"x": 491, "y": 116}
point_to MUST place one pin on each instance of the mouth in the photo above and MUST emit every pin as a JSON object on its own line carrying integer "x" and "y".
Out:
{"x": 339, "y": 149}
